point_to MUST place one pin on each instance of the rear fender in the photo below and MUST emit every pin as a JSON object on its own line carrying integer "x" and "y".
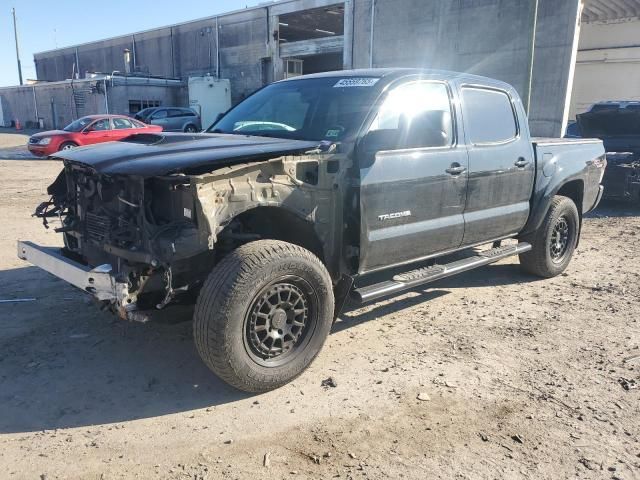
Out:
{"x": 572, "y": 187}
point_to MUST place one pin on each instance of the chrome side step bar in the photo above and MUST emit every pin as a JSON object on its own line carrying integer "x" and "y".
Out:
{"x": 421, "y": 276}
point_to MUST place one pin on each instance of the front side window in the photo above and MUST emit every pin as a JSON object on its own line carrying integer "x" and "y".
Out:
{"x": 159, "y": 114}
{"x": 78, "y": 125}
{"x": 102, "y": 124}
{"x": 416, "y": 115}
{"x": 488, "y": 115}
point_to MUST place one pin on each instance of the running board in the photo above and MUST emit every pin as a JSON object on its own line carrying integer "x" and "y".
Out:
{"x": 421, "y": 276}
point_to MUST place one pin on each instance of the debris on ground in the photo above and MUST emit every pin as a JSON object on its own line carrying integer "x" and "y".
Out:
{"x": 423, "y": 397}
{"x": 329, "y": 382}
{"x": 628, "y": 384}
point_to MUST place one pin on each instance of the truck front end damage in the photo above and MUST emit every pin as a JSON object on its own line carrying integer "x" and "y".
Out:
{"x": 138, "y": 244}
{"x": 622, "y": 176}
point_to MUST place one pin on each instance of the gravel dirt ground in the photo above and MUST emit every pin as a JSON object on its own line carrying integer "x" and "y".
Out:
{"x": 492, "y": 375}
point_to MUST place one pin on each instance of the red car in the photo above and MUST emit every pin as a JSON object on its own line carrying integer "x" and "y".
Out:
{"x": 87, "y": 131}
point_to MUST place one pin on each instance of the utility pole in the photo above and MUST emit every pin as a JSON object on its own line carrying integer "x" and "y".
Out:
{"x": 15, "y": 33}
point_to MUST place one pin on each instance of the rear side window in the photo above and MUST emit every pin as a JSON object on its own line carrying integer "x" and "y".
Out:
{"x": 488, "y": 115}
{"x": 121, "y": 123}
{"x": 174, "y": 112}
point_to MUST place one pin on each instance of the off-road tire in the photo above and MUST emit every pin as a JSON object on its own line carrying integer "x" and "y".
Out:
{"x": 228, "y": 298}
{"x": 540, "y": 259}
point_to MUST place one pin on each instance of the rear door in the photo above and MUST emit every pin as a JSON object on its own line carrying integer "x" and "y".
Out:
{"x": 501, "y": 164}
{"x": 122, "y": 128}
{"x": 412, "y": 191}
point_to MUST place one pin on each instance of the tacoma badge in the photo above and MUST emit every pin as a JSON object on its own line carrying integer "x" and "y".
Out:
{"x": 389, "y": 216}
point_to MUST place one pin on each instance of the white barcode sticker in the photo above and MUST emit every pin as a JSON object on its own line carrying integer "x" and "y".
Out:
{"x": 356, "y": 82}
{"x": 187, "y": 212}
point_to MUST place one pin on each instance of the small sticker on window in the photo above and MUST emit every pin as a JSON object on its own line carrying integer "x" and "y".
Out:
{"x": 187, "y": 212}
{"x": 332, "y": 134}
{"x": 356, "y": 82}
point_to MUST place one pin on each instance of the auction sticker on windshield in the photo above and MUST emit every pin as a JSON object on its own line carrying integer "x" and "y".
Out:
{"x": 356, "y": 82}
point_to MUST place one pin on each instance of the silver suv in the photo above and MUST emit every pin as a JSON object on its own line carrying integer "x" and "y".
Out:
{"x": 171, "y": 119}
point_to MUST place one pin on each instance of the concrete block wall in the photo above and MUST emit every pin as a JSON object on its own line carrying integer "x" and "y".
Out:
{"x": 486, "y": 37}
{"x": 54, "y": 102}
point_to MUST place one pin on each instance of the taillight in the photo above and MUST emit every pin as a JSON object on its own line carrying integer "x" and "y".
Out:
{"x": 601, "y": 163}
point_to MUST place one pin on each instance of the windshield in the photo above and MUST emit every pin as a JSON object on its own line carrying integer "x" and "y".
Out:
{"x": 310, "y": 109}
{"x": 78, "y": 125}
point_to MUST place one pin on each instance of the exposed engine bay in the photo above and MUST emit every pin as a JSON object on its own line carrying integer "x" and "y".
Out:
{"x": 160, "y": 236}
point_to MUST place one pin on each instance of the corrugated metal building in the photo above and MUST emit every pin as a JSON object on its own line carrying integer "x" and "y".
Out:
{"x": 528, "y": 43}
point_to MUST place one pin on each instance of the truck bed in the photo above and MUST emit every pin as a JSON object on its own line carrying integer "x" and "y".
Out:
{"x": 565, "y": 160}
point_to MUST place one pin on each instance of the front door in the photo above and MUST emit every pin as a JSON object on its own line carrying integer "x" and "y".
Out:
{"x": 501, "y": 164}
{"x": 413, "y": 187}
{"x": 98, "y": 132}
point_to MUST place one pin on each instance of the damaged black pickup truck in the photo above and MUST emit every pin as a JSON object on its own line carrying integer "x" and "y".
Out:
{"x": 274, "y": 217}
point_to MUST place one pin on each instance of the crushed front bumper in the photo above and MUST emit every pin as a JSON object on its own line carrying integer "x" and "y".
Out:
{"x": 98, "y": 281}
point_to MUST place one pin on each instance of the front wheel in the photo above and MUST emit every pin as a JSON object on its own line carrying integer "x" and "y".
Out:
{"x": 555, "y": 241}
{"x": 263, "y": 314}
{"x": 68, "y": 146}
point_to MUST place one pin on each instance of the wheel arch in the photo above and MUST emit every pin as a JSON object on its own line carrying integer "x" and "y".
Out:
{"x": 272, "y": 223}
{"x": 572, "y": 188}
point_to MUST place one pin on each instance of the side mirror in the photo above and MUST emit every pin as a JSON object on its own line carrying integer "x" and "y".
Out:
{"x": 376, "y": 141}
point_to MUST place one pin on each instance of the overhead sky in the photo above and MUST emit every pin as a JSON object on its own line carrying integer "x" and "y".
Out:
{"x": 46, "y": 24}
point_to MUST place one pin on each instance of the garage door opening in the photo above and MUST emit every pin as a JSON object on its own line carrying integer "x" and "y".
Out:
{"x": 311, "y": 24}
{"x": 312, "y": 41}
{"x": 319, "y": 63}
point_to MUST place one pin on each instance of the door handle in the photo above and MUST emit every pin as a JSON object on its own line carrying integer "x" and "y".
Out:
{"x": 521, "y": 163}
{"x": 456, "y": 169}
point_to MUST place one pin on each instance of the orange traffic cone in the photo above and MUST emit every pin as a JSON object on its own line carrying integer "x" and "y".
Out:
{"x": 18, "y": 125}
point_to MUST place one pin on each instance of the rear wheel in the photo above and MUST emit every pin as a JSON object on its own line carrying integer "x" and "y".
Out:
{"x": 555, "y": 241}
{"x": 68, "y": 146}
{"x": 190, "y": 129}
{"x": 263, "y": 315}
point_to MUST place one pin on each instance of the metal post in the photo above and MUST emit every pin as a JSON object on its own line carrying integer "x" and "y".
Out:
{"x": 133, "y": 44}
{"x": 35, "y": 105}
{"x": 106, "y": 96}
{"x": 217, "y": 49}
{"x": 532, "y": 55}
{"x": 77, "y": 64}
{"x": 15, "y": 34}
{"x": 373, "y": 18}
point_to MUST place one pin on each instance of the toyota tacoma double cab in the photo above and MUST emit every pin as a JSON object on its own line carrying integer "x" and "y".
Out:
{"x": 278, "y": 214}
